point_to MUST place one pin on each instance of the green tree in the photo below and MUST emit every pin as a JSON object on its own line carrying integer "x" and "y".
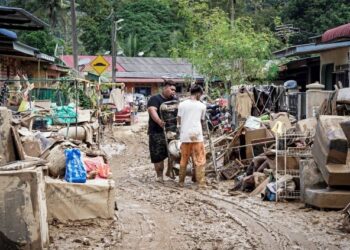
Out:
{"x": 153, "y": 24}
{"x": 314, "y": 17}
{"x": 235, "y": 54}
{"x": 43, "y": 40}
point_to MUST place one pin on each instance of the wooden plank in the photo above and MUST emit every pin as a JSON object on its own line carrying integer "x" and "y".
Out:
{"x": 260, "y": 188}
{"x": 18, "y": 144}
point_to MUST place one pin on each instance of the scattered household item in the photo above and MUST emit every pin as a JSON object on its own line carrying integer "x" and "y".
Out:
{"x": 75, "y": 171}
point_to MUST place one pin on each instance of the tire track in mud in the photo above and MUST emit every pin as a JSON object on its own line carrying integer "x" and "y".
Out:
{"x": 263, "y": 235}
{"x": 259, "y": 235}
{"x": 281, "y": 233}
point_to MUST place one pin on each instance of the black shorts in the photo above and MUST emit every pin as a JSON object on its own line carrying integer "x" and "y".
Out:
{"x": 157, "y": 147}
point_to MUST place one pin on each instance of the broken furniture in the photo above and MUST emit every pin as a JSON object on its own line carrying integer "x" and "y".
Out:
{"x": 80, "y": 201}
{"x": 23, "y": 208}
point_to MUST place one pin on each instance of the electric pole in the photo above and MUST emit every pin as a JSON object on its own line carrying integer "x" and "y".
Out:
{"x": 74, "y": 34}
{"x": 114, "y": 61}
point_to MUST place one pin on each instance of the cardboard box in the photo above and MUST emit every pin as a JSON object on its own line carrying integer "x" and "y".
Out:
{"x": 256, "y": 136}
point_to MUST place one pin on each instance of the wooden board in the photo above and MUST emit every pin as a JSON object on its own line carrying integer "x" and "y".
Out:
{"x": 18, "y": 144}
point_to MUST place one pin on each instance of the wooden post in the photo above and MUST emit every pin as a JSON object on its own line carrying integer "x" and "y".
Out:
{"x": 74, "y": 34}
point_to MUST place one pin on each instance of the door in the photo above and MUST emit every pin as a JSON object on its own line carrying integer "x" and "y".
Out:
{"x": 327, "y": 76}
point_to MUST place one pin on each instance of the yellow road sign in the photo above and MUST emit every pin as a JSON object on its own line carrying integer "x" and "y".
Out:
{"x": 99, "y": 64}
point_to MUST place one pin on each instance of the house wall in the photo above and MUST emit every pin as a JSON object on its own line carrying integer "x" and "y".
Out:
{"x": 336, "y": 56}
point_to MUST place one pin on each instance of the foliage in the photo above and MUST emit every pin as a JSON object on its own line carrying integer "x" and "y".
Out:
{"x": 314, "y": 17}
{"x": 234, "y": 54}
{"x": 41, "y": 39}
{"x": 150, "y": 26}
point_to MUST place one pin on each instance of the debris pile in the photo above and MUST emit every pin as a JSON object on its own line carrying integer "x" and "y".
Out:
{"x": 54, "y": 154}
{"x": 274, "y": 153}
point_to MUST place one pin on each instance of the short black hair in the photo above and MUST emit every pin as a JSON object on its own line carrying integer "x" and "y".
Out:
{"x": 195, "y": 89}
{"x": 169, "y": 83}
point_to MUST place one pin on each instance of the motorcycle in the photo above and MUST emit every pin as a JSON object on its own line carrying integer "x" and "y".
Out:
{"x": 218, "y": 118}
{"x": 140, "y": 102}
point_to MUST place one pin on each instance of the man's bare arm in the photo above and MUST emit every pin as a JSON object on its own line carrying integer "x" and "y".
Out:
{"x": 155, "y": 117}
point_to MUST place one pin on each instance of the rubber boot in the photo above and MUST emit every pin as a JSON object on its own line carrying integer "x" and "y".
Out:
{"x": 200, "y": 176}
{"x": 182, "y": 175}
{"x": 194, "y": 174}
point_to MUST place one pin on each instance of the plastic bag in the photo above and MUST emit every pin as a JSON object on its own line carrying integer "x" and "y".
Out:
{"x": 75, "y": 171}
{"x": 98, "y": 165}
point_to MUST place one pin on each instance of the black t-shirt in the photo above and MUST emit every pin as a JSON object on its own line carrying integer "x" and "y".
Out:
{"x": 156, "y": 101}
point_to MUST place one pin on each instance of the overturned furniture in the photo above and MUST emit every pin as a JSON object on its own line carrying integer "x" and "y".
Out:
{"x": 332, "y": 158}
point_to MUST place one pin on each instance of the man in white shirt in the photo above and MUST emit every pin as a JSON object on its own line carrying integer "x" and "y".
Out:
{"x": 191, "y": 113}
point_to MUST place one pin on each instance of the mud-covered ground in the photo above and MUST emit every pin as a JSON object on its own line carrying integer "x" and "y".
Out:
{"x": 162, "y": 216}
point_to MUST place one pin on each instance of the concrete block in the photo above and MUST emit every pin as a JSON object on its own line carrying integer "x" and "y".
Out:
{"x": 310, "y": 177}
{"x": 23, "y": 213}
{"x": 327, "y": 198}
{"x": 80, "y": 201}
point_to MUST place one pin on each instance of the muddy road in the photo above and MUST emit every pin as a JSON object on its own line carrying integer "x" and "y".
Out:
{"x": 151, "y": 215}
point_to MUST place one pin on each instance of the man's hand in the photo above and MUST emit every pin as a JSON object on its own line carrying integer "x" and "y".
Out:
{"x": 161, "y": 123}
{"x": 154, "y": 115}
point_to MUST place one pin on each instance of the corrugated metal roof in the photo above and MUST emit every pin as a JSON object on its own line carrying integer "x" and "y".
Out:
{"x": 339, "y": 32}
{"x": 309, "y": 49}
{"x": 156, "y": 65}
{"x": 17, "y": 18}
{"x": 156, "y": 75}
{"x": 144, "y": 67}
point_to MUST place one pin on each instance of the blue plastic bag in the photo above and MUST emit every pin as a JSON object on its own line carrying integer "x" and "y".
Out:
{"x": 75, "y": 170}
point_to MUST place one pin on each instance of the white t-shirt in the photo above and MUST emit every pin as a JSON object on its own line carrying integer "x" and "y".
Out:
{"x": 191, "y": 113}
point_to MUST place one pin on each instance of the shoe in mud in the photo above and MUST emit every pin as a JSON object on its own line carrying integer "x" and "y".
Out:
{"x": 160, "y": 179}
{"x": 181, "y": 184}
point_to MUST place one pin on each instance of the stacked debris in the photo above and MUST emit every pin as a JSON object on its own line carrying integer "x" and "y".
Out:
{"x": 273, "y": 154}
{"x": 331, "y": 161}
{"x": 45, "y": 163}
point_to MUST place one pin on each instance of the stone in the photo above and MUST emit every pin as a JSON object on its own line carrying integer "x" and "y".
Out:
{"x": 327, "y": 198}
{"x": 23, "y": 213}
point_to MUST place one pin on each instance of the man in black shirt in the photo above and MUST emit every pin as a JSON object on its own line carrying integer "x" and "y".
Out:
{"x": 157, "y": 142}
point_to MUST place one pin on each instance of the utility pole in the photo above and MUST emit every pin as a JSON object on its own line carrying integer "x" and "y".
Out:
{"x": 114, "y": 44}
{"x": 114, "y": 61}
{"x": 74, "y": 34}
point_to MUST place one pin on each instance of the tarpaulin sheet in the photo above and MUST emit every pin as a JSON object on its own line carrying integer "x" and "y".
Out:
{"x": 80, "y": 201}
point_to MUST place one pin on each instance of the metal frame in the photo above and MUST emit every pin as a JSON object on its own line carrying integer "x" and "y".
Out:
{"x": 289, "y": 152}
